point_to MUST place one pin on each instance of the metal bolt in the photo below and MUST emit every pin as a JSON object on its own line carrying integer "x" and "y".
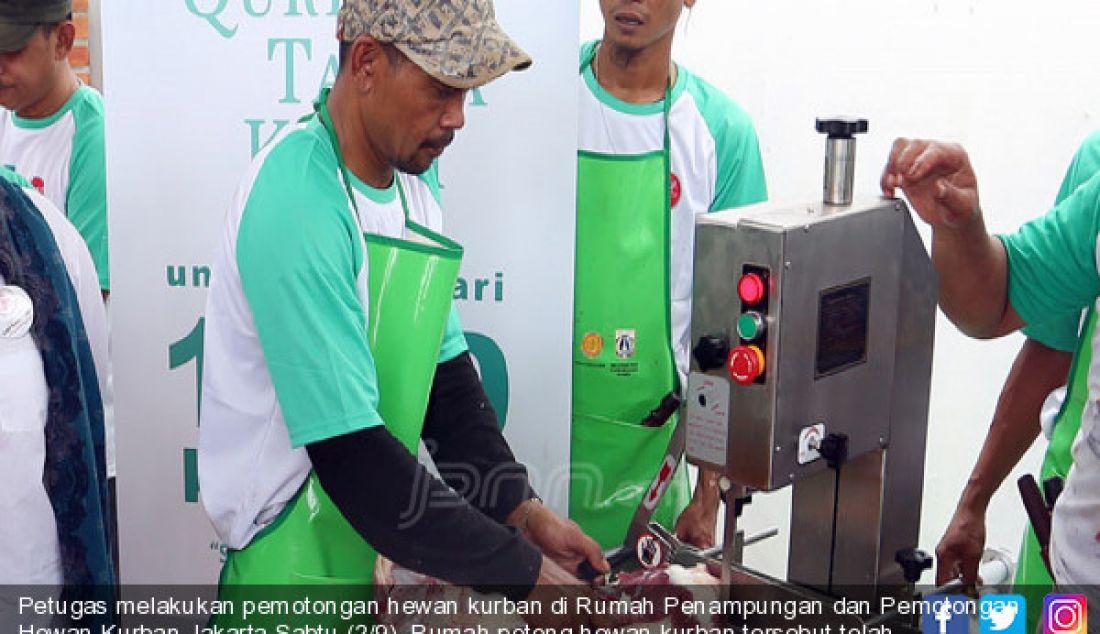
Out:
{"x": 882, "y": 442}
{"x": 778, "y": 449}
{"x": 791, "y": 477}
{"x": 724, "y": 484}
{"x": 787, "y": 264}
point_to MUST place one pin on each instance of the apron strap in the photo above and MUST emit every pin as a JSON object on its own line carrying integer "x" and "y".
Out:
{"x": 321, "y": 108}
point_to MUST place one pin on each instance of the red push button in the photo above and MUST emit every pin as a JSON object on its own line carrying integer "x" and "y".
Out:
{"x": 745, "y": 364}
{"x": 751, "y": 289}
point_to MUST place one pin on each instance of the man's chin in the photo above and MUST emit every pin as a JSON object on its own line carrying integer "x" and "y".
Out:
{"x": 416, "y": 166}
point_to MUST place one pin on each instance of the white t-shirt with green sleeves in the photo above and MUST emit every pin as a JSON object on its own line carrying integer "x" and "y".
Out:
{"x": 63, "y": 157}
{"x": 715, "y": 160}
{"x": 286, "y": 356}
{"x": 1054, "y": 272}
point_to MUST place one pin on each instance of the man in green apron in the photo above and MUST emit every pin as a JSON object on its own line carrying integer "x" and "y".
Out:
{"x": 333, "y": 347}
{"x": 657, "y": 145}
{"x": 1040, "y": 367}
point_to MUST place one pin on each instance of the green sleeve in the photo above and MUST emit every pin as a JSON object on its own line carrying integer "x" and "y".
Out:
{"x": 1052, "y": 260}
{"x": 1061, "y": 334}
{"x": 740, "y": 172}
{"x": 1085, "y": 163}
{"x": 299, "y": 256}
{"x": 86, "y": 198}
{"x": 740, "y": 169}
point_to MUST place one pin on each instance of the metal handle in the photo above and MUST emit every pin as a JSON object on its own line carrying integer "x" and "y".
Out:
{"x": 759, "y": 537}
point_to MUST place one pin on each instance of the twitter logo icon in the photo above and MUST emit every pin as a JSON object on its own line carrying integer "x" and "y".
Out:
{"x": 1002, "y": 614}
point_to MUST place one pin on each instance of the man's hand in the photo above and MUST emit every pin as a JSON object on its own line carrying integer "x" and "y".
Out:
{"x": 558, "y": 538}
{"x": 554, "y": 583}
{"x": 696, "y": 524}
{"x": 937, "y": 178}
{"x": 960, "y": 550}
{"x": 972, "y": 265}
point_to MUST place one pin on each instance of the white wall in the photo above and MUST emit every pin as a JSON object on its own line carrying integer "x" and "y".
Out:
{"x": 1013, "y": 81}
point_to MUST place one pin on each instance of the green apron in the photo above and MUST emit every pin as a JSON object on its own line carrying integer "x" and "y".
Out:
{"x": 410, "y": 292}
{"x": 1032, "y": 577}
{"x": 623, "y": 362}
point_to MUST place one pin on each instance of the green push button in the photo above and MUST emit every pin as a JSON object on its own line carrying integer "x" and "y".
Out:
{"x": 750, "y": 326}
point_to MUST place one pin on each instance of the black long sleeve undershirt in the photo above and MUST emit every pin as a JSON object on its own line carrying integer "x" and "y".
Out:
{"x": 464, "y": 437}
{"x": 417, "y": 521}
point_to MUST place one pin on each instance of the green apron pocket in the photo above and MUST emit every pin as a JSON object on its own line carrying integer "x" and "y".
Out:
{"x": 607, "y": 483}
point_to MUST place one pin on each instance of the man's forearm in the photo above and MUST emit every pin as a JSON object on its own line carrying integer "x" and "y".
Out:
{"x": 706, "y": 489}
{"x": 1036, "y": 372}
{"x": 973, "y": 278}
{"x": 415, "y": 520}
{"x": 462, "y": 432}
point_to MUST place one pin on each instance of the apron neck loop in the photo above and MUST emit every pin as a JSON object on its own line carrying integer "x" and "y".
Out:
{"x": 321, "y": 108}
{"x": 666, "y": 110}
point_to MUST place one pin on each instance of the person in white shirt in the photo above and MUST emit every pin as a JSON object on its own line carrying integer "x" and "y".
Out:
{"x": 53, "y": 365}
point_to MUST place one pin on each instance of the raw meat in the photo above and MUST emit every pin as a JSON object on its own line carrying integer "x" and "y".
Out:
{"x": 610, "y": 603}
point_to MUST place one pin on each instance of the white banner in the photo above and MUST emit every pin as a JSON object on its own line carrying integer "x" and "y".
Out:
{"x": 194, "y": 88}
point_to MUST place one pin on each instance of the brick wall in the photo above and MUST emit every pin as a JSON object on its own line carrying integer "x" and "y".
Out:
{"x": 80, "y": 57}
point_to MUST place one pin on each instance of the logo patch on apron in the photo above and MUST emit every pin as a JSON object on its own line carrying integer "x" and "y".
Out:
{"x": 674, "y": 188}
{"x": 625, "y": 343}
{"x": 592, "y": 345}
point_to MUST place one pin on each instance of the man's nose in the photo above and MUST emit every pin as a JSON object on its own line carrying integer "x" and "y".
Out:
{"x": 454, "y": 114}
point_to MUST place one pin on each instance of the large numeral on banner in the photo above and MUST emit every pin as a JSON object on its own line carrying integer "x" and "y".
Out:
{"x": 181, "y": 353}
{"x": 494, "y": 372}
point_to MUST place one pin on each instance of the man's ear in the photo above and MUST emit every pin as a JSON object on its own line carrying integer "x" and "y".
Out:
{"x": 65, "y": 34}
{"x": 365, "y": 57}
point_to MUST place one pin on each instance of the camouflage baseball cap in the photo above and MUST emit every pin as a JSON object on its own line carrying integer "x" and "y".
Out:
{"x": 20, "y": 18}
{"x": 458, "y": 42}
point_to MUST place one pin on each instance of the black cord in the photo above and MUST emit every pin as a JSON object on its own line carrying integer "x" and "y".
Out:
{"x": 832, "y": 536}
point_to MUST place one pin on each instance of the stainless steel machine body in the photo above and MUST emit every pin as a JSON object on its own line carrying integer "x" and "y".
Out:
{"x": 812, "y": 329}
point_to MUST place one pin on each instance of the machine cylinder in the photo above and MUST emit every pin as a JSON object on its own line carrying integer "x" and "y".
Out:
{"x": 840, "y": 174}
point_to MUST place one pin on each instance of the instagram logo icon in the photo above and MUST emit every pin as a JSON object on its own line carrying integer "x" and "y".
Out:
{"x": 1065, "y": 614}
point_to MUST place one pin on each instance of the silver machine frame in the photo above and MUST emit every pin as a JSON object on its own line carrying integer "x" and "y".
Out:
{"x": 849, "y": 321}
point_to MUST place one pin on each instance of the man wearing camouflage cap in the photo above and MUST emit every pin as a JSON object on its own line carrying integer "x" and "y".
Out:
{"x": 332, "y": 346}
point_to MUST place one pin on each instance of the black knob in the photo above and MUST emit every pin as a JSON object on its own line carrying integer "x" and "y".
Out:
{"x": 841, "y": 128}
{"x": 913, "y": 562}
{"x": 711, "y": 351}
{"x": 834, "y": 449}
